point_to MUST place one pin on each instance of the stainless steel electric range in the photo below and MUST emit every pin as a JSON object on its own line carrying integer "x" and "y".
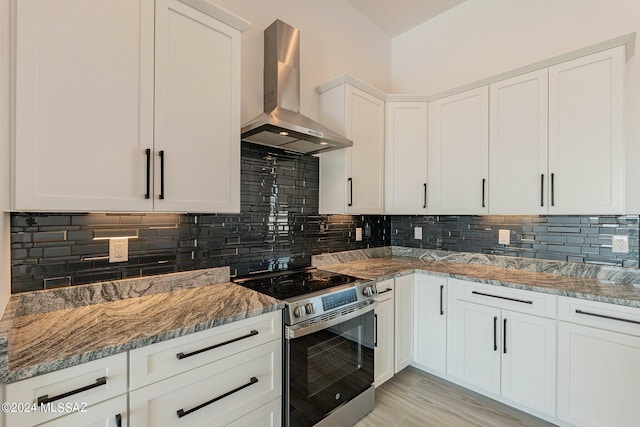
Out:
{"x": 329, "y": 344}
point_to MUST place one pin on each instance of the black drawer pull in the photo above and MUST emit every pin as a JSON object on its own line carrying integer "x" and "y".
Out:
{"x": 161, "y": 154}
{"x": 495, "y": 333}
{"x": 483, "y": 184}
{"x": 385, "y": 291}
{"x": 118, "y": 420}
{"x": 504, "y": 337}
{"x": 375, "y": 328}
{"x": 181, "y": 355}
{"x": 497, "y": 296}
{"x": 541, "y": 189}
{"x": 43, "y": 400}
{"x": 441, "y": 307}
{"x": 553, "y": 190}
{"x": 604, "y": 316}
{"x": 147, "y": 152}
{"x": 350, "y": 191}
{"x": 424, "y": 205}
{"x": 181, "y": 412}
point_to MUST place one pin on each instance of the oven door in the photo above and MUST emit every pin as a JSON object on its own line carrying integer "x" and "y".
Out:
{"x": 328, "y": 364}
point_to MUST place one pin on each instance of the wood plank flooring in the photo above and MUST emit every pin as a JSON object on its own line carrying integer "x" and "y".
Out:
{"x": 417, "y": 399}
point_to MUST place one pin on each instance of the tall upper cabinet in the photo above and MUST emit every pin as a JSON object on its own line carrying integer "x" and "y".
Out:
{"x": 352, "y": 179}
{"x": 126, "y": 105}
{"x": 586, "y": 142}
{"x": 406, "y": 156}
{"x": 458, "y": 153}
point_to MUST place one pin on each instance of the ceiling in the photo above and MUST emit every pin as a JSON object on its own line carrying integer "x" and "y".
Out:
{"x": 397, "y": 16}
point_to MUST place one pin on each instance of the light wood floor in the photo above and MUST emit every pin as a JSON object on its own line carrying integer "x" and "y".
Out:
{"x": 414, "y": 398}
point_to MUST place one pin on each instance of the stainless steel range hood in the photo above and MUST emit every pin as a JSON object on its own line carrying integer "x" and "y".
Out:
{"x": 281, "y": 124}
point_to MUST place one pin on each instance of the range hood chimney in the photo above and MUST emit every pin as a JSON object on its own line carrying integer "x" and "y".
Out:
{"x": 281, "y": 124}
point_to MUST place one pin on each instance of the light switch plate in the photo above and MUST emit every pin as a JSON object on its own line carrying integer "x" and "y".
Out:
{"x": 504, "y": 237}
{"x": 620, "y": 244}
{"x": 359, "y": 234}
{"x": 417, "y": 233}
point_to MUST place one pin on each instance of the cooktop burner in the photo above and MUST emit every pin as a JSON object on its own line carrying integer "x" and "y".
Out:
{"x": 289, "y": 284}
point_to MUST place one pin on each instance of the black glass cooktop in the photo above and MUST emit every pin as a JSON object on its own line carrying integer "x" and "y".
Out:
{"x": 288, "y": 284}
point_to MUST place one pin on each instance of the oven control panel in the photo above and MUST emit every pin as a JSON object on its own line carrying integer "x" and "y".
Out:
{"x": 339, "y": 299}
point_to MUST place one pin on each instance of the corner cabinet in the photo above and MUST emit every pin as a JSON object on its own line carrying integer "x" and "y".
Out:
{"x": 430, "y": 323}
{"x": 458, "y": 154}
{"x": 406, "y": 157}
{"x": 126, "y": 105}
{"x": 384, "y": 355}
{"x": 352, "y": 179}
{"x": 404, "y": 296}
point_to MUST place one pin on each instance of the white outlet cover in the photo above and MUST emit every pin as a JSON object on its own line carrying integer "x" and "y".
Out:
{"x": 358, "y": 234}
{"x": 620, "y": 244}
{"x": 504, "y": 237}
{"x": 119, "y": 249}
{"x": 417, "y": 233}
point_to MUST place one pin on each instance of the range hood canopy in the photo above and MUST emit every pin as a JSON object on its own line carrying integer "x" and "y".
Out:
{"x": 281, "y": 124}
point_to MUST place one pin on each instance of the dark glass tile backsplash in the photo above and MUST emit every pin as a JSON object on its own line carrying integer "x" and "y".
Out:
{"x": 565, "y": 238}
{"x": 278, "y": 227}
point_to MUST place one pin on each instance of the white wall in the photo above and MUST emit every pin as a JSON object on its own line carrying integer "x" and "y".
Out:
{"x": 335, "y": 38}
{"x": 5, "y": 132}
{"x": 481, "y": 38}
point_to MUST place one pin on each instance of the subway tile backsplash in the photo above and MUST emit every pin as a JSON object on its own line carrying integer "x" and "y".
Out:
{"x": 279, "y": 227}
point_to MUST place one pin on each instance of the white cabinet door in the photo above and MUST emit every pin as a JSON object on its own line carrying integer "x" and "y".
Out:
{"x": 458, "y": 163}
{"x": 529, "y": 361}
{"x": 586, "y": 143}
{"x": 404, "y": 321}
{"x": 197, "y": 111}
{"x": 406, "y": 158}
{"x": 518, "y": 178}
{"x": 352, "y": 179}
{"x": 384, "y": 340}
{"x": 269, "y": 415}
{"x": 84, "y": 104}
{"x": 430, "y": 328}
{"x": 598, "y": 376}
{"x": 474, "y": 347}
{"x": 111, "y": 413}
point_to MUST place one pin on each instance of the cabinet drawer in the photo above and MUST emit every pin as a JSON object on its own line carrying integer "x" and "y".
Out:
{"x": 86, "y": 384}
{"x": 214, "y": 394}
{"x": 385, "y": 289}
{"x": 269, "y": 415}
{"x": 612, "y": 317}
{"x": 112, "y": 413}
{"x": 162, "y": 360}
{"x": 536, "y": 303}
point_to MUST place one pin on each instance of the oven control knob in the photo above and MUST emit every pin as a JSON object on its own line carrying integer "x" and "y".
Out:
{"x": 369, "y": 291}
{"x": 310, "y": 309}
{"x": 299, "y": 311}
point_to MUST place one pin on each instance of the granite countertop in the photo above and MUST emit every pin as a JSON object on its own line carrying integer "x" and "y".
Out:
{"x": 94, "y": 321}
{"x": 613, "y": 285}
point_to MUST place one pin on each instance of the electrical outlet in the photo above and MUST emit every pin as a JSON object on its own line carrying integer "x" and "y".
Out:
{"x": 358, "y": 234}
{"x": 417, "y": 233}
{"x": 504, "y": 237}
{"x": 620, "y": 243}
{"x": 119, "y": 250}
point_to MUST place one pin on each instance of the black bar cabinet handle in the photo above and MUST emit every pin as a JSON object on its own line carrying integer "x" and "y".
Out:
{"x": 161, "y": 154}
{"x": 495, "y": 333}
{"x": 500, "y": 297}
{"x": 604, "y": 316}
{"x": 118, "y": 420}
{"x": 181, "y": 355}
{"x": 181, "y": 412}
{"x": 147, "y": 153}
{"x": 483, "y": 185}
{"x": 375, "y": 328}
{"x": 424, "y": 205}
{"x": 385, "y": 291}
{"x": 350, "y": 191}
{"x": 43, "y": 400}
{"x": 541, "y": 189}
{"x": 553, "y": 201}
{"x": 504, "y": 337}
{"x": 441, "y": 307}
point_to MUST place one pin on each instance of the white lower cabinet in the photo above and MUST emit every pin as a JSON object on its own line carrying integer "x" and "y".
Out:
{"x": 269, "y": 415}
{"x": 598, "y": 369}
{"x": 430, "y": 323}
{"x": 111, "y": 413}
{"x": 404, "y": 321}
{"x": 384, "y": 354}
{"x": 502, "y": 351}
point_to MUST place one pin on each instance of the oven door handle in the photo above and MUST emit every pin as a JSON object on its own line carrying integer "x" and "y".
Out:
{"x": 296, "y": 331}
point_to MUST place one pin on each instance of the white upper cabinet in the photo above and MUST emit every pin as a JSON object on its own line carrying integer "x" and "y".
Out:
{"x": 126, "y": 105}
{"x": 84, "y": 104}
{"x": 352, "y": 179}
{"x": 458, "y": 153}
{"x": 518, "y": 178}
{"x": 406, "y": 157}
{"x": 586, "y": 142}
